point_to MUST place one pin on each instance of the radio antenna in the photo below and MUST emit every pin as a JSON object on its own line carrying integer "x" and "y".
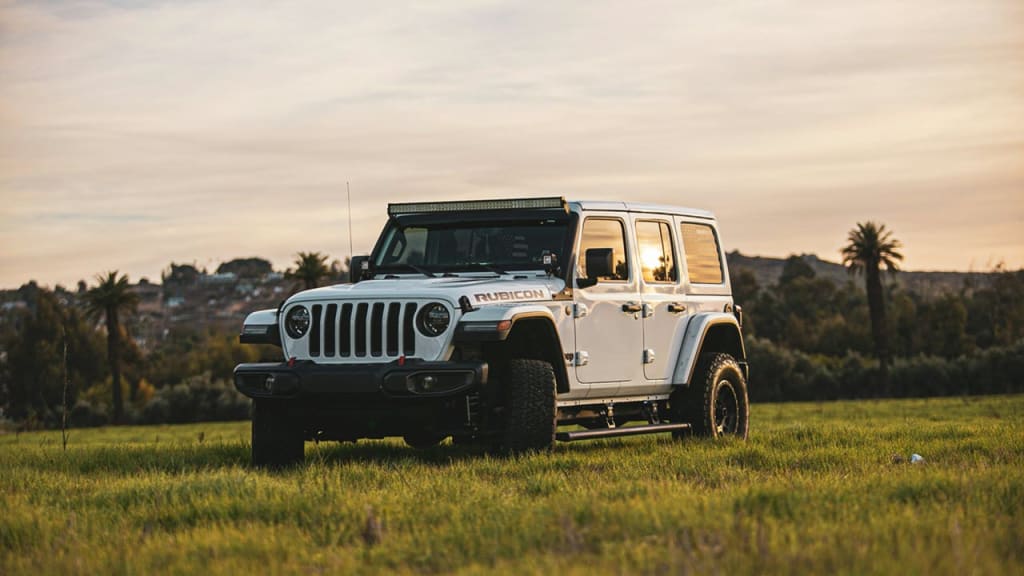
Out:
{"x": 349, "y": 191}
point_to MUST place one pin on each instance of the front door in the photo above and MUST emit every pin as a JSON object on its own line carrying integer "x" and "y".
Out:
{"x": 609, "y": 329}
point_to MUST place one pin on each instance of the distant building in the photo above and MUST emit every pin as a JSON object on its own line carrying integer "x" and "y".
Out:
{"x": 219, "y": 279}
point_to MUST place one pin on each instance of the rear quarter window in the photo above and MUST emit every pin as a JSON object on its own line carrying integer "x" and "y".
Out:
{"x": 703, "y": 258}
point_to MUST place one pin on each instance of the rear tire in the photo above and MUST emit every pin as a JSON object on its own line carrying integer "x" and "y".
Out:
{"x": 715, "y": 403}
{"x": 529, "y": 415}
{"x": 277, "y": 436}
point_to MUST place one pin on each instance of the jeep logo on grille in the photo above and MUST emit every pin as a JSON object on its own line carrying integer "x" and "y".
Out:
{"x": 506, "y": 296}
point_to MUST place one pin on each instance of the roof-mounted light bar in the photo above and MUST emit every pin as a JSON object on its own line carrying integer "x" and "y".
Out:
{"x": 473, "y": 205}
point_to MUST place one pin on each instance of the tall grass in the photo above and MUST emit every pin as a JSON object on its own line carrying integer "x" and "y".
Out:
{"x": 816, "y": 489}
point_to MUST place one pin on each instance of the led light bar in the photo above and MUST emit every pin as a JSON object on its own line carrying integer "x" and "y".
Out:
{"x": 468, "y": 205}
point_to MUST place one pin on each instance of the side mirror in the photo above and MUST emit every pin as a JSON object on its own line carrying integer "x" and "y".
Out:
{"x": 358, "y": 268}
{"x": 599, "y": 265}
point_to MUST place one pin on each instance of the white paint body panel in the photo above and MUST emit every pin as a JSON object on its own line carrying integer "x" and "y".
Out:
{"x": 262, "y": 318}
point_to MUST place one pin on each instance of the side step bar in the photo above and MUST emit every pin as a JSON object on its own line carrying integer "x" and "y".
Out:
{"x": 616, "y": 432}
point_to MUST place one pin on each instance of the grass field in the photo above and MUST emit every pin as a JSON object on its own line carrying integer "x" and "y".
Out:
{"x": 815, "y": 490}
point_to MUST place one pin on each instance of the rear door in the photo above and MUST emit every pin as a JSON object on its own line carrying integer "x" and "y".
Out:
{"x": 664, "y": 311}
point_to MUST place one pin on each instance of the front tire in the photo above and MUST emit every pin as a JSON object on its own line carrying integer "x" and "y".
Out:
{"x": 529, "y": 415}
{"x": 715, "y": 403}
{"x": 277, "y": 436}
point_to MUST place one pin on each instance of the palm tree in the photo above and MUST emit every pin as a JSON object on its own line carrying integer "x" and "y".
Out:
{"x": 310, "y": 268}
{"x": 110, "y": 297}
{"x": 869, "y": 247}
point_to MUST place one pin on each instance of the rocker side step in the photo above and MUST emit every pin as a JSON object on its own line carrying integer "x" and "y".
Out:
{"x": 616, "y": 432}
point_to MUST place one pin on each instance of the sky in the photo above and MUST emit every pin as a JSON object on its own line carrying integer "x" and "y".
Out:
{"x": 134, "y": 134}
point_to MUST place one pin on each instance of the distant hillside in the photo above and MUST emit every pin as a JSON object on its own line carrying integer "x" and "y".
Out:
{"x": 767, "y": 271}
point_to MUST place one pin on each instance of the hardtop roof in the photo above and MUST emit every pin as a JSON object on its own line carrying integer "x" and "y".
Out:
{"x": 641, "y": 207}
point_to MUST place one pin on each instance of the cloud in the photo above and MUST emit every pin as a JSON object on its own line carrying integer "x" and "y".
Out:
{"x": 139, "y": 133}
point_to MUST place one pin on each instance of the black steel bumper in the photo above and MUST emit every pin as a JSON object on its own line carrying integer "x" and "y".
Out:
{"x": 309, "y": 381}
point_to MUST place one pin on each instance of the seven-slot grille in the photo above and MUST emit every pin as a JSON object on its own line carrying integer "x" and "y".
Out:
{"x": 363, "y": 329}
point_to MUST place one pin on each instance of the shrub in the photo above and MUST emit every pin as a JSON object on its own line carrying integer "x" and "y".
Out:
{"x": 779, "y": 374}
{"x": 87, "y": 415}
{"x": 196, "y": 399}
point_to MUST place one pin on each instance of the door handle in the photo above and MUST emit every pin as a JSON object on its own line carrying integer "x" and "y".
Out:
{"x": 631, "y": 307}
{"x": 676, "y": 308}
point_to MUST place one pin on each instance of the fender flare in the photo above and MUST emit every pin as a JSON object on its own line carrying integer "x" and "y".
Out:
{"x": 261, "y": 327}
{"x": 490, "y": 316}
{"x": 697, "y": 330}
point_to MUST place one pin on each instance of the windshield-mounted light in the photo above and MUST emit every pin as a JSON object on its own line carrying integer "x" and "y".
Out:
{"x": 470, "y": 205}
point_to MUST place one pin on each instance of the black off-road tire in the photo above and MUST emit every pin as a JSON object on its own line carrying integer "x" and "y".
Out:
{"x": 715, "y": 403}
{"x": 277, "y": 436}
{"x": 529, "y": 415}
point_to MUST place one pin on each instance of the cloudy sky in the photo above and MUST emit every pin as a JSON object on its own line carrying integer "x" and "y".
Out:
{"x": 134, "y": 134}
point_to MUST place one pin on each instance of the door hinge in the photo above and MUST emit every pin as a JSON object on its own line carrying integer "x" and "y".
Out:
{"x": 648, "y": 356}
{"x": 648, "y": 310}
{"x": 582, "y": 358}
{"x": 580, "y": 310}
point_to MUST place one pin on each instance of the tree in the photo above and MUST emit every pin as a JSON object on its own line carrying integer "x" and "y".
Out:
{"x": 246, "y": 267}
{"x": 310, "y": 268}
{"x": 33, "y": 373}
{"x": 339, "y": 269}
{"x": 869, "y": 247}
{"x": 795, "y": 267}
{"x": 110, "y": 297}
{"x": 995, "y": 313}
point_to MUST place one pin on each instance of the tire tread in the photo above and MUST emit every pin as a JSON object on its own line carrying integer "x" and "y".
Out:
{"x": 530, "y": 415}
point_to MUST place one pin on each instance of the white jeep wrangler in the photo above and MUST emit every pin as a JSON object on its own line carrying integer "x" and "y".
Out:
{"x": 500, "y": 321}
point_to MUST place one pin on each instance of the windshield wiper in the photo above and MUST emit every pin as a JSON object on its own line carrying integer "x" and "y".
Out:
{"x": 412, "y": 267}
{"x": 488, "y": 267}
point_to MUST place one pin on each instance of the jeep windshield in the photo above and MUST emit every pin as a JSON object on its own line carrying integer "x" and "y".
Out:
{"x": 490, "y": 247}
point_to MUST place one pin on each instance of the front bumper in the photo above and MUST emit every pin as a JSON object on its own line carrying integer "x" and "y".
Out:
{"x": 309, "y": 381}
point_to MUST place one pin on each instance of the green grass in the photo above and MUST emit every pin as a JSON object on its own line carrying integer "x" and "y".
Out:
{"x": 814, "y": 490}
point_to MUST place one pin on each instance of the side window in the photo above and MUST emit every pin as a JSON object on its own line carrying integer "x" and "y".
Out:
{"x": 702, "y": 255}
{"x": 657, "y": 257}
{"x": 605, "y": 233}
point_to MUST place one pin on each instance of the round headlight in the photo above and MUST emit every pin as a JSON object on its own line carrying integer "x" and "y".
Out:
{"x": 434, "y": 319}
{"x": 296, "y": 323}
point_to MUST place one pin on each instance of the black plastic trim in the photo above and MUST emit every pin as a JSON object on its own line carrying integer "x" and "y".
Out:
{"x": 306, "y": 380}
{"x": 462, "y": 335}
{"x": 271, "y": 336}
{"x": 504, "y": 215}
{"x": 703, "y": 337}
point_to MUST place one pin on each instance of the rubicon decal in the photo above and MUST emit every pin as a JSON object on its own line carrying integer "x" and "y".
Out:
{"x": 511, "y": 295}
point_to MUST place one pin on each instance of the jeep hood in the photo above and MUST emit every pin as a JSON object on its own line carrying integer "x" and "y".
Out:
{"x": 480, "y": 290}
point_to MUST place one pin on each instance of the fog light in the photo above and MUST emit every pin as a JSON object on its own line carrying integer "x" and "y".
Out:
{"x": 268, "y": 384}
{"x": 427, "y": 383}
